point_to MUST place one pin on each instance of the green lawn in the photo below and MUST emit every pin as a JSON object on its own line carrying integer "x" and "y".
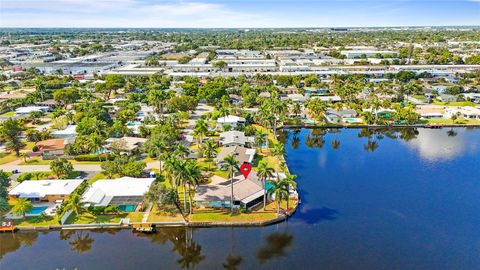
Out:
{"x": 169, "y": 214}
{"x": 459, "y": 103}
{"x": 7, "y": 157}
{"x": 220, "y": 215}
{"x": 36, "y": 161}
{"x": 45, "y": 175}
{"x": 450, "y": 121}
{"x": 41, "y": 220}
{"x": 88, "y": 218}
{"x": 9, "y": 114}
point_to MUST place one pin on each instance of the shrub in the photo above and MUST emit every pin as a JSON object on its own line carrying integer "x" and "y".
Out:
{"x": 35, "y": 148}
{"x": 111, "y": 209}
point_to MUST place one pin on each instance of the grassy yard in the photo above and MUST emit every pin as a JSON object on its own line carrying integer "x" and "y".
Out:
{"x": 205, "y": 165}
{"x": 41, "y": 220}
{"x": 170, "y": 214}
{"x": 450, "y": 121}
{"x": 221, "y": 215}
{"x": 45, "y": 175}
{"x": 35, "y": 161}
{"x": 8, "y": 114}
{"x": 88, "y": 218}
{"x": 7, "y": 157}
{"x": 459, "y": 103}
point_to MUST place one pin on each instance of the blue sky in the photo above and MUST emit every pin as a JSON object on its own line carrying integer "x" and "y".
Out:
{"x": 239, "y": 13}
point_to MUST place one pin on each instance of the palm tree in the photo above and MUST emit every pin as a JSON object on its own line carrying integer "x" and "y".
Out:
{"x": 24, "y": 156}
{"x": 201, "y": 129}
{"x": 95, "y": 143}
{"x": 192, "y": 175}
{"x": 75, "y": 204}
{"x": 22, "y": 207}
{"x": 209, "y": 150}
{"x": 158, "y": 147}
{"x": 260, "y": 138}
{"x": 264, "y": 172}
{"x": 297, "y": 109}
{"x": 289, "y": 181}
{"x": 4, "y": 206}
{"x": 182, "y": 151}
{"x": 280, "y": 190}
{"x": 157, "y": 99}
{"x": 232, "y": 164}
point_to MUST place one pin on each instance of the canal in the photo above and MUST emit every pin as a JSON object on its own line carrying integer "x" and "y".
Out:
{"x": 404, "y": 199}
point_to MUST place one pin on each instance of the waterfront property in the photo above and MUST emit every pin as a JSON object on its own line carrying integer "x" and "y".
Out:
{"x": 247, "y": 193}
{"x": 44, "y": 190}
{"x": 125, "y": 192}
{"x": 241, "y": 154}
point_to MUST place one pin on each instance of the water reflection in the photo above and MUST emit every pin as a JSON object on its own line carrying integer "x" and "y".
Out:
{"x": 276, "y": 245}
{"x": 435, "y": 145}
{"x": 10, "y": 242}
{"x": 315, "y": 138}
{"x": 232, "y": 261}
{"x": 190, "y": 252}
{"x": 81, "y": 242}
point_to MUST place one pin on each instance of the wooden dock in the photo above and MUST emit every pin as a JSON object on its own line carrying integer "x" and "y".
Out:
{"x": 7, "y": 227}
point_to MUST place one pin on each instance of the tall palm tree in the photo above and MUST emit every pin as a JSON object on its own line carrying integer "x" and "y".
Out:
{"x": 280, "y": 191}
{"x": 201, "y": 129}
{"x": 260, "y": 138}
{"x": 95, "y": 143}
{"x": 75, "y": 204}
{"x": 182, "y": 151}
{"x": 232, "y": 166}
{"x": 209, "y": 150}
{"x": 289, "y": 181}
{"x": 264, "y": 172}
{"x": 192, "y": 175}
{"x": 22, "y": 207}
{"x": 158, "y": 147}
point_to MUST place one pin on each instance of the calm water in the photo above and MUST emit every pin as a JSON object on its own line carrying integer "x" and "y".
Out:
{"x": 408, "y": 200}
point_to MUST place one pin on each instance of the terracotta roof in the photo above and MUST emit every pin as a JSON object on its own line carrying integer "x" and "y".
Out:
{"x": 51, "y": 144}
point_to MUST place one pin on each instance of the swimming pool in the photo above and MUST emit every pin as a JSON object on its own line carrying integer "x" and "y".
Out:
{"x": 127, "y": 208}
{"x": 37, "y": 210}
{"x": 352, "y": 120}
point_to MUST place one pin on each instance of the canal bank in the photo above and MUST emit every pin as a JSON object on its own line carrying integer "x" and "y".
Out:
{"x": 402, "y": 204}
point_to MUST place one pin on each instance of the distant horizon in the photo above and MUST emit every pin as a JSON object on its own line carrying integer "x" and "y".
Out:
{"x": 235, "y": 14}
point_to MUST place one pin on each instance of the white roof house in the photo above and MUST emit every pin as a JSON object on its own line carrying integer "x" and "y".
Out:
{"x": 125, "y": 190}
{"x": 231, "y": 120}
{"x": 69, "y": 132}
{"x": 40, "y": 188}
{"x": 235, "y": 138}
{"x": 30, "y": 109}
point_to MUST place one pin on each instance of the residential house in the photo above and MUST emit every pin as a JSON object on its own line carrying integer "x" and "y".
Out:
{"x": 334, "y": 116}
{"x": 230, "y": 120}
{"x": 235, "y": 138}
{"x": 125, "y": 192}
{"x": 126, "y": 145}
{"x": 29, "y": 109}
{"x": 45, "y": 190}
{"x": 447, "y": 98}
{"x": 52, "y": 148}
{"x": 465, "y": 112}
{"x": 241, "y": 154}
{"x": 70, "y": 132}
{"x": 247, "y": 192}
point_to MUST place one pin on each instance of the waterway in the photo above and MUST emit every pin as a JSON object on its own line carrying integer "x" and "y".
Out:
{"x": 406, "y": 199}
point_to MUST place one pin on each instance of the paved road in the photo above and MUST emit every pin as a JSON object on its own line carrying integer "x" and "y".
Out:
{"x": 76, "y": 167}
{"x": 199, "y": 111}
